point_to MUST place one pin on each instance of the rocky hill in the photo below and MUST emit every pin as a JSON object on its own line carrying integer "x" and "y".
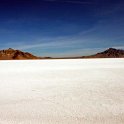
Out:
{"x": 11, "y": 54}
{"x": 109, "y": 53}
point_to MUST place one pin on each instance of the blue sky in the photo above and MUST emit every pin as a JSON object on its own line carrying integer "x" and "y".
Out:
{"x": 61, "y": 27}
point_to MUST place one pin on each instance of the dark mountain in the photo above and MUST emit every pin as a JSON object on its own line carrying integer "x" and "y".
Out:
{"x": 109, "y": 53}
{"x": 11, "y": 54}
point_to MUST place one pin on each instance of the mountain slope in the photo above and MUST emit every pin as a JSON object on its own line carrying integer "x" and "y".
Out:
{"x": 109, "y": 53}
{"x": 11, "y": 54}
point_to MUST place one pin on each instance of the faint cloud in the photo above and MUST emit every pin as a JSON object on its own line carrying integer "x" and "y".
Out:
{"x": 75, "y": 52}
{"x": 118, "y": 47}
{"x": 88, "y": 31}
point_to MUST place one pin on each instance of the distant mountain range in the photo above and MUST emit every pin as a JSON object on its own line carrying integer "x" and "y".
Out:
{"x": 11, "y": 54}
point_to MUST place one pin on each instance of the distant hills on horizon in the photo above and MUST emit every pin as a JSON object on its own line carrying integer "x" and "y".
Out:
{"x": 109, "y": 53}
{"x": 12, "y": 54}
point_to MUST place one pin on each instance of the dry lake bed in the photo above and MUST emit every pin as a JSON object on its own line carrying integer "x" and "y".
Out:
{"x": 73, "y": 91}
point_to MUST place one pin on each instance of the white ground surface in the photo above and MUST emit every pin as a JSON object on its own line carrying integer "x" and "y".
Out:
{"x": 62, "y": 91}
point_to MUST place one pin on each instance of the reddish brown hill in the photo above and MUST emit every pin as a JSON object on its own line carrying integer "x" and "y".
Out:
{"x": 11, "y": 54}
{"x": 109, "y": 53}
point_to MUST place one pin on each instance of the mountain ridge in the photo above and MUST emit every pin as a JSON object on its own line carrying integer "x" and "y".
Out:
{"x": 12, "y": 54}
{"x": 109, "y": 53}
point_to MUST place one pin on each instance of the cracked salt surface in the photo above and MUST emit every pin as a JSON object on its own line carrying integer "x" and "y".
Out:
{"x": 80, "y": 91}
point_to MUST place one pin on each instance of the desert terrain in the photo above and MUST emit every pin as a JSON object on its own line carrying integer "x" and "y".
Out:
{"x": 73, "y": 91}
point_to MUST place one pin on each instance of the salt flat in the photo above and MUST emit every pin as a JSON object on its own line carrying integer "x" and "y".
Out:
{"x": 80, "y": 91}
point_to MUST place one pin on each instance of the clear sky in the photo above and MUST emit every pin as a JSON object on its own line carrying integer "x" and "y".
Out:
{"x": 61, "y": 27}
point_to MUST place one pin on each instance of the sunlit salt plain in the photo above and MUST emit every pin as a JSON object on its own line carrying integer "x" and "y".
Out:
{"x": 80, "y": 91}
